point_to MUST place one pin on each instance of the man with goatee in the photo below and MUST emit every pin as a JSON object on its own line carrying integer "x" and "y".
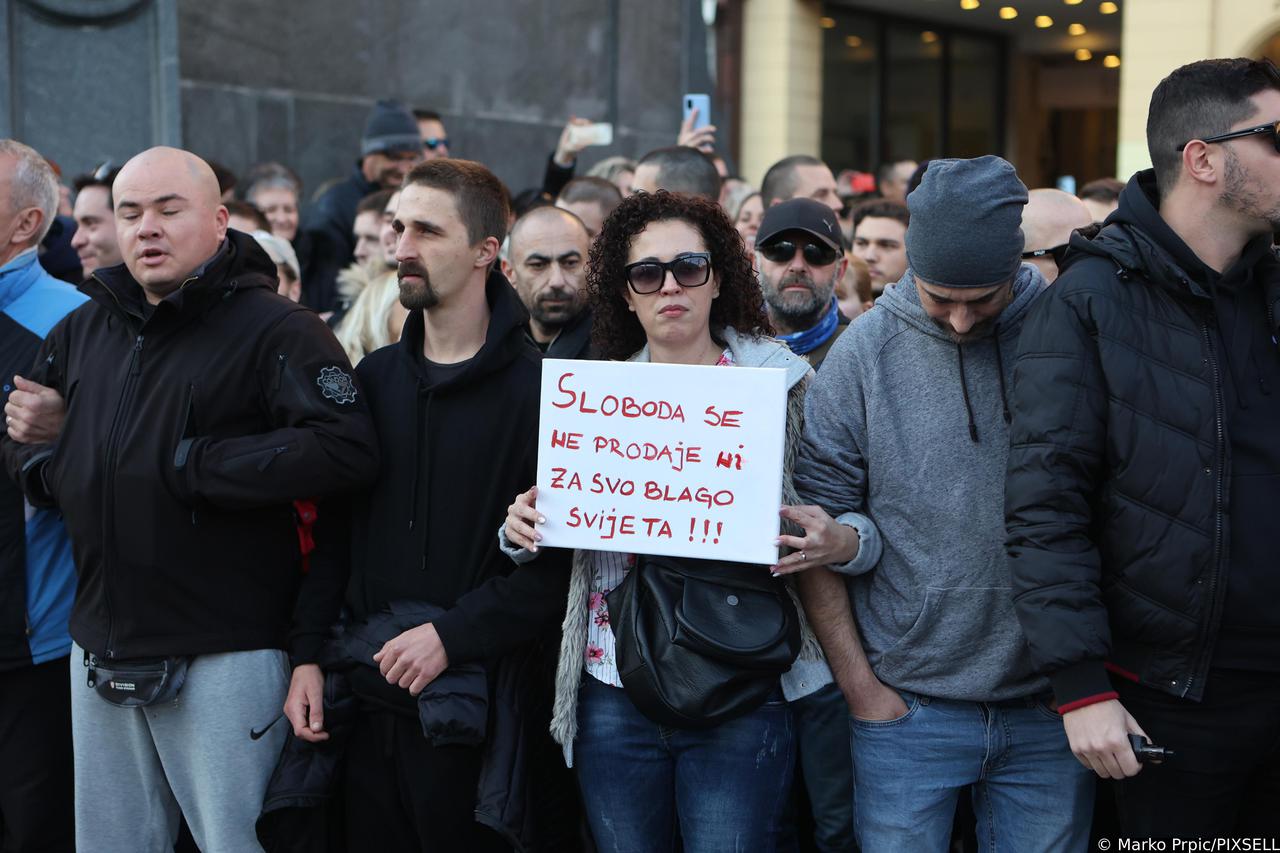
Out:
{"x": 456, "y": 401}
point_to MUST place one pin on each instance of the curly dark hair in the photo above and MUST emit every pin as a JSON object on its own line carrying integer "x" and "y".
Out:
{"x": 616, "y": 333}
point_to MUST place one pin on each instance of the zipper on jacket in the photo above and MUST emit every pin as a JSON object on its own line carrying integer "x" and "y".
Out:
{"x": 108, "y": 490}
{"x": 271, "y": 457}
{"x": 1220, "y": 454}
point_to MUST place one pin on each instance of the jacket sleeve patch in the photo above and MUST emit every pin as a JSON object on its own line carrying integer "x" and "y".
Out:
{"x": 336, "y": 385}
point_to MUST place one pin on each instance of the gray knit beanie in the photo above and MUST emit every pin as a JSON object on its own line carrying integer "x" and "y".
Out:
{"x": 966, "y": 223}
{"x": 389, "y": 127}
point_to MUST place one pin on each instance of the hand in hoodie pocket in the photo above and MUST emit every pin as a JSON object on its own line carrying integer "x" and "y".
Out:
{"x": 964, "y": 644}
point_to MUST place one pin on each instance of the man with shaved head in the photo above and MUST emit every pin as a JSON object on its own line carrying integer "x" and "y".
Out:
{"x": 1047, "y": 221}
{"x": 547, "y": 265}
{"x": 199, "y": 405}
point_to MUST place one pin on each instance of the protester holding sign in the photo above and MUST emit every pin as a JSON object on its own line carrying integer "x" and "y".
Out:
{"x": 669, "y": 283}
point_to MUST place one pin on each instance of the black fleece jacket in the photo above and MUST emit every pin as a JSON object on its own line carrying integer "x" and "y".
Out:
{"x": 454, "y": 456}
{"x": 190, "y": 429}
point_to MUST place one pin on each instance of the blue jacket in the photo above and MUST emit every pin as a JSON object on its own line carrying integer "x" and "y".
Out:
{"x": 37, "y": 575}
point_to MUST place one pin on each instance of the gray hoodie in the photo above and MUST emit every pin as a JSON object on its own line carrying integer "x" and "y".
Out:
{"x": 908, "y": 431}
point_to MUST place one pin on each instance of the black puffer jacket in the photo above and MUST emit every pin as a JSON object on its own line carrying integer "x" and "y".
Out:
{"x": 1120, "y": 467}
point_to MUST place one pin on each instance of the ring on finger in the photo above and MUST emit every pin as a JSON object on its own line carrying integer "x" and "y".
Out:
{"x": 803, "y": 557}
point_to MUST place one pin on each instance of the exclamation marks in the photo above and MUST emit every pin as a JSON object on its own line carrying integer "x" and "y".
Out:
{"x": 706, "y": 531}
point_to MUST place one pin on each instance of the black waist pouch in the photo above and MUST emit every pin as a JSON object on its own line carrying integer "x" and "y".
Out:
{"x": 137, "y": 682}
{"x": 700, "y": 642}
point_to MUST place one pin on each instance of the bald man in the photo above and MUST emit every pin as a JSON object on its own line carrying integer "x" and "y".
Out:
{"x": 199, "y": 405}
{"x": 1047, "y": 222}
{"x": 547, "y": 264}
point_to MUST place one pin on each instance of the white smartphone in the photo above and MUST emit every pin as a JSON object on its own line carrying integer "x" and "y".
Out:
{"x": 702, "y": 103}
{"x": 582, "y": 135}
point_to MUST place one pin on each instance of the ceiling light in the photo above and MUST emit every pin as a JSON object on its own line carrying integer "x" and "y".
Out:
{"x": 1008, "y": 13}
{"x": 853, "y": 41}
{"x": 1108, "y": 8}
{"x": 1111, "y": 60}
{"x": 1073, "y": 2}
{"x": 1084, "y": 54}
{"x": 969, "y": 5}
{"x": 928, "y": 37}
{"x": 1044, "y": 22}
{"x": 1076, "y": 30}
{"x": 827, "y": 23}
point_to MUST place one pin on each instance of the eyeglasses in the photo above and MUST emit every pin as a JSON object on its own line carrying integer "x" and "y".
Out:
{"x": 431, "y": 143}
{"x": 1273, "y": 128}
{"x": 1058, "y": 253}
{"x": 691, "y": 270}
{"x": 815, "y": 254}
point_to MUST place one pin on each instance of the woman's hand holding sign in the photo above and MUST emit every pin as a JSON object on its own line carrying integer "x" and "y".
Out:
{"x": 825, "y": 542}
{"x": 521, "y": 517}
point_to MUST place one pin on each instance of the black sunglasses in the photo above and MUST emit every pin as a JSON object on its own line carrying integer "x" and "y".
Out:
{"x": 434, "y": 142}
{"x": 1273, "y": 128}
{"x": 691, "y": 270}
{"x": 1058, "y": 253}
{"x": 815, "y": 254}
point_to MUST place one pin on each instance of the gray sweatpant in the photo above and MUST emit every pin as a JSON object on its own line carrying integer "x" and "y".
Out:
{"x": 139, "y": 769}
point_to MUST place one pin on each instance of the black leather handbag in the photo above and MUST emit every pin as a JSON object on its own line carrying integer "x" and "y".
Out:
{"x": 699, "y": 642}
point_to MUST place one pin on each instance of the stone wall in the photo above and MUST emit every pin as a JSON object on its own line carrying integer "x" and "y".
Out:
{"x": 242, "y": 81}
{"x": 293, "y": 82}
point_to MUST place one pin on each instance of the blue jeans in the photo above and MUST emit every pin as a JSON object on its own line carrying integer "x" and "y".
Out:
{"x": 1029, "y": 791}
{"x": 722, "y": 788}
{"x": 822, "y": 738}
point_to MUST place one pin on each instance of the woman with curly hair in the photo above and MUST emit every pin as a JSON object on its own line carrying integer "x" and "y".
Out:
{"x": 669, "y": 282}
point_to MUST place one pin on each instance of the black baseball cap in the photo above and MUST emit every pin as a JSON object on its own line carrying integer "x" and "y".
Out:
{"x": 800, "y": 214}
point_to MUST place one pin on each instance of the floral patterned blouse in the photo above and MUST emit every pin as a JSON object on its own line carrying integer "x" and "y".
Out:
{"x": 608, "y": 568}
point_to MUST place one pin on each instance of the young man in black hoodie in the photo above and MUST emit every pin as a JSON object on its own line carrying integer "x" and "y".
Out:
{"x": 1144, "y": 474}
{"x": 199, "y": 405}
{"x": 456, "y": 404}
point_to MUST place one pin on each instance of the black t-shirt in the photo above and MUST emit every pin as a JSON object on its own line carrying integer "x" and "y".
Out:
{"x": 438, "y": 374}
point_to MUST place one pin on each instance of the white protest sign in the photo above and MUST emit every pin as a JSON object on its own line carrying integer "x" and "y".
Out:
{"x": 680, "y": 460}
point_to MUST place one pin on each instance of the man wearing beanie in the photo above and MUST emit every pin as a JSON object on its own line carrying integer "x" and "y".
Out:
{"x": 800, "y": 259}
{"x": 906, "y": 441}
{"x": 389, "y": 148}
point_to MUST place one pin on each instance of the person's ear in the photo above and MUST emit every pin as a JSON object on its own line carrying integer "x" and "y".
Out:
{"x": 220, "y": 218}
{"x": 1201, "y": 162}
{"x": 487, "y": 251}
{"x": 507, "y": 269}
{"x": 28, "y": 223}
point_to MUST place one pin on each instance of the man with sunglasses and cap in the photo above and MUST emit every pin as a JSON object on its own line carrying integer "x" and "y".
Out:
{"x": 800, "y": 260}
{"x": 1144, "y": 474}
{"x": 906, "y": 441}
{"x": 1050, "y": 218}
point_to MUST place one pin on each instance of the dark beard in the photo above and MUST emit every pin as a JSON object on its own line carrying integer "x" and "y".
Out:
{"x": 1245, "y": 196}
{"x": 554, "y": 319}
{"x": 416, "y": 298}
{"x": 795, "y": 310}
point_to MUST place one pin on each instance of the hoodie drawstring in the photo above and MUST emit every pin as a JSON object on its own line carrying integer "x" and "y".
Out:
{"x": 1004, "y": 397}
{"x": 964, "y": 386}
{"x": 964, "y": 391}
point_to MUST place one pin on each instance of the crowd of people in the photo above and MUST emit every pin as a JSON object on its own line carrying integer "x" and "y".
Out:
{"x": 272, "y": 576}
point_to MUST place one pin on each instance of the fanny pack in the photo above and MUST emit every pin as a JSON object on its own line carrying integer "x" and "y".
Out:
{"x": 137, "y": 682}
{"x": 700, "y": 642}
